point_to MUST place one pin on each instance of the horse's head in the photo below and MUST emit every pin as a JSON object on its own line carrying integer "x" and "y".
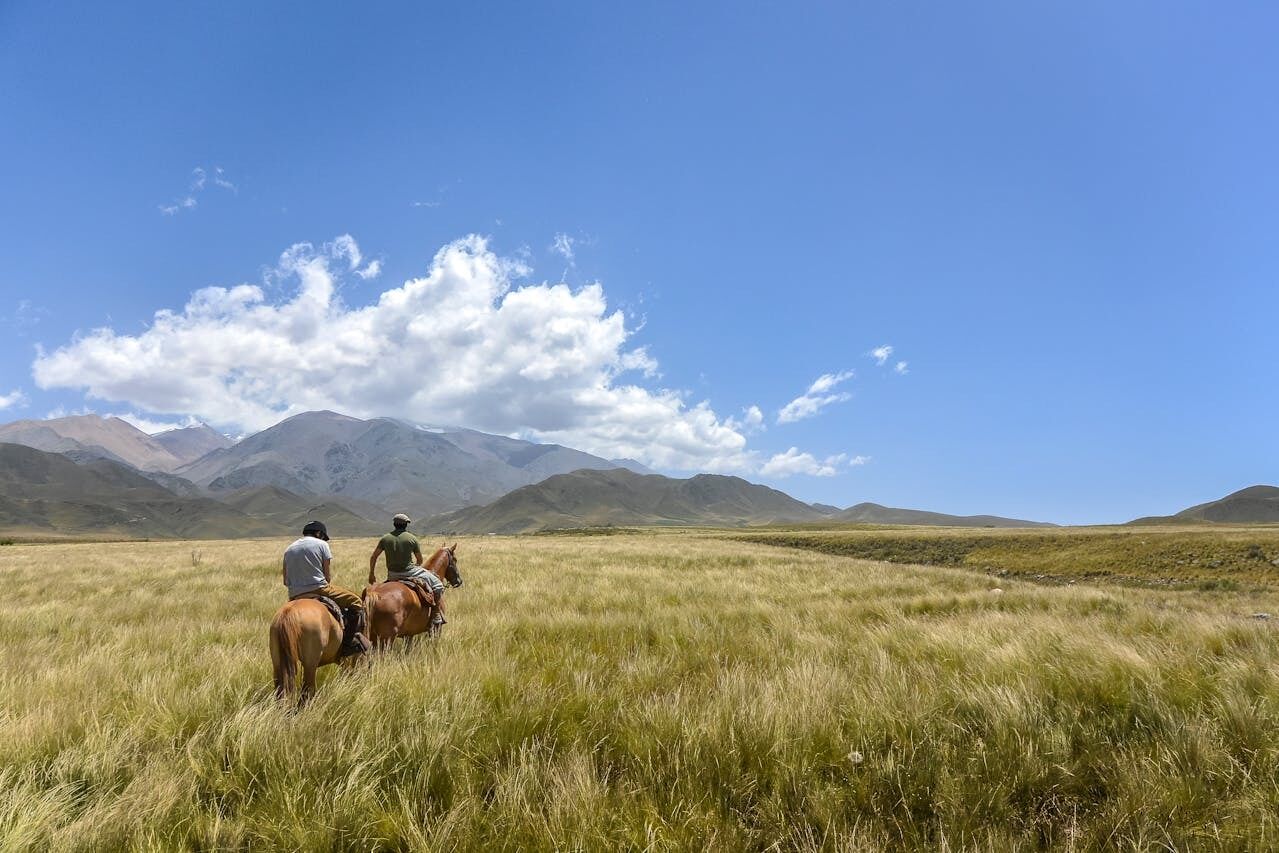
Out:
{"x": 451, "y": 574}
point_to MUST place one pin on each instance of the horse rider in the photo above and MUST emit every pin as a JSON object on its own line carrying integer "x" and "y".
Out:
{"x": 307, "y": 573}
{"x": 404, "y": 562}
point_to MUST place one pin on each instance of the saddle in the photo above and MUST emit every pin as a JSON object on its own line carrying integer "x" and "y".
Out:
{"x": 330, "y": 605}
{"x": 425, "y": 597}
{"x": 353, "y": 642}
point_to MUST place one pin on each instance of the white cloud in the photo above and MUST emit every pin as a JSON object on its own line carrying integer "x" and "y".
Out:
{"x": 815, "y": 398}
{"x": 425, "y": 203}
{"x": 881, "y": 354}
{"x": 902, "y": 368}
{"x": 199, "y": 180}
{"x": 219, "y": 179}
{"x": 795, "y": 462}
{"x": 150, "y": 425}
{"x": 13, "y": 399}
{"x": 752, "y": 420}
{"x": 371, "y": 270}
{"x": 460, "y": 345}
{"x": 563, "y": 246}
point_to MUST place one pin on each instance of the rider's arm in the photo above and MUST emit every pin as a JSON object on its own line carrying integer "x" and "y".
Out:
{"x": 417, "y": 555}
{"x": 328, "y": 578}
{"x": 284, "y": 573}
{"x": 377, "y": 552}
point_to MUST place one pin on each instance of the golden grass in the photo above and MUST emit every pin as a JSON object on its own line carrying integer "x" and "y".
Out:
{"x": 668, "y": 692}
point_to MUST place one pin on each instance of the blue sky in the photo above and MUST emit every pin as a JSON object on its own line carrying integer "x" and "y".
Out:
{"x": 1061, "y": 217}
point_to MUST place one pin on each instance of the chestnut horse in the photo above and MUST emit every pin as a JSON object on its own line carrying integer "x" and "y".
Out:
{"x": 395, "y": 610}
{"x": 303, "y": 634}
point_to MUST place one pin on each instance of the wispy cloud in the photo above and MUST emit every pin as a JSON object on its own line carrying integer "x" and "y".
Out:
{"x": 425, "y": 203}
{"x": 200, "y": 178}
{"x": 881, "y": 354}
{"x": 563, "y": 246}
{"x": 220, "y": 179}
{"x": 902, "y": 368}
{"x": 816, "y": 398}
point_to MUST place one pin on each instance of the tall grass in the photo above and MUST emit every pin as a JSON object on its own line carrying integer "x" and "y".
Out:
{"x": 664, "y": 692}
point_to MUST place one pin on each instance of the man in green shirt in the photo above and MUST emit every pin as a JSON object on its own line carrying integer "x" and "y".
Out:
{"x": 404, "y": 562}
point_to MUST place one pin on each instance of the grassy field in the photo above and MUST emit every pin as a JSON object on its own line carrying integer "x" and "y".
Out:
{"x": 1178, "y": 557}
{"x": 652, "y": 691}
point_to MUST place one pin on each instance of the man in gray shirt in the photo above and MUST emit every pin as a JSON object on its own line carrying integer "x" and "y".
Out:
{"x": 307, "y": 572}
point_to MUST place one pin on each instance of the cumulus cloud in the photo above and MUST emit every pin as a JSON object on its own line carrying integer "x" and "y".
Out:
{"x": 902, "y": 368}
{"x": 752, "y": 420}
{"x": 881, "y": 354}
{"x": 463, "y": 344}
{"x": 13, "y": 399}
{"x": 816, "y": 398}
{"x": 794, "y": 462}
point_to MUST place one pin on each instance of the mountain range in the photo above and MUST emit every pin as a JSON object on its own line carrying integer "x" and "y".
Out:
{"x": 87, "y": 474}
{"x": 316, "y": 464}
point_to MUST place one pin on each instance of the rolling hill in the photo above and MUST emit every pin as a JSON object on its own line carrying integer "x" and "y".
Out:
{"x": 595, "y": 498}
{"x": 42, "y": 492}
{"x": 1253, "y": 505}
{"x": 871, "y": 513}
{"x": 290, "y": 512}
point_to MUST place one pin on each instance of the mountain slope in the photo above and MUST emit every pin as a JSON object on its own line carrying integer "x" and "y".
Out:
{"x": 385, "y": 462}
{"x": 49, "y": 493}
{"x": 290, "y": 511}
{"x": 190, "y": 443}
{"x": 1253, "y": 505}
{"x": 592, "y": 498}
{"x": 871, "y": 513}
{"x": 91, "y": 436}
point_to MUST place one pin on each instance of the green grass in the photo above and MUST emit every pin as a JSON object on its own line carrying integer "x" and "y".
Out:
{"x": 1204, "y": 559}
{"x": 672, "y": 691}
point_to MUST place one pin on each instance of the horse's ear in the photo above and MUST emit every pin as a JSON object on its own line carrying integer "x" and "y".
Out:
{"x": 454, "y": 548}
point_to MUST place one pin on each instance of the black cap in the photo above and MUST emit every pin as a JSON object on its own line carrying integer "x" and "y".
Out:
{"x": 316, "y": 529}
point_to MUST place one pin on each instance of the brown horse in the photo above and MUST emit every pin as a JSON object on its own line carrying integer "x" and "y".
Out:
{"x": 303, "y": 634}
{"x": 395, "y": 610}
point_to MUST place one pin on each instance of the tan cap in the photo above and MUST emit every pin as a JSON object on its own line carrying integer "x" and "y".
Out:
{"x": 401, "y": 518}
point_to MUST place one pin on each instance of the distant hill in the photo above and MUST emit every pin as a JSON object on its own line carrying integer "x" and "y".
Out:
{"x": 47, "y": 492}
{"x": 870, "y": 513}
{"x": 291, "y": 512}
{"x": 190, "y": 443}
{"x": 1253, "y": 505}
{"x": 93, "y": 437}
{"x": 384, "y": 462}
{"x": 595, "y": 498}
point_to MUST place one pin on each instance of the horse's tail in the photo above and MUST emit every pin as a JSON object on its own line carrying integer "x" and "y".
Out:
{"x": 369, "y": 595}
{"x": 285, "y": 653}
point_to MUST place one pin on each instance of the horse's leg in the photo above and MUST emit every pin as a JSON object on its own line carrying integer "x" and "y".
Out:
{"x": 308, "y": 682}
